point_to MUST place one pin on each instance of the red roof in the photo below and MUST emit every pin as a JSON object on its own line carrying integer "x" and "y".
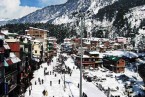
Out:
{"x": 15, "y": 46}
{"x": 9, "y": 61}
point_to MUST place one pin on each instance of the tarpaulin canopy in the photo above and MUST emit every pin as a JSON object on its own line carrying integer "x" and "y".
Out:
{"x": 11, "y": 61}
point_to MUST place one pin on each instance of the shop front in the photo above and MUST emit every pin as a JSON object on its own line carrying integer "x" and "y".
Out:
{"x": 11, "y": 84}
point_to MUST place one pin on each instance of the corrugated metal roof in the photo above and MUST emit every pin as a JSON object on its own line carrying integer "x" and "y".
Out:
{"x": 113, "y": 58}
{"x": 11, "y": 61}
{"x": 15, "y": 60}
{"x": 12, "y": 55}
{"x": 12, "y": 40}
{"x": 6, "y": 46}
{"x": 15, "y": 47}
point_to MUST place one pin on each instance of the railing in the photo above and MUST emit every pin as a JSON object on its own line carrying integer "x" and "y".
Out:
{"x": 9, "y": 74}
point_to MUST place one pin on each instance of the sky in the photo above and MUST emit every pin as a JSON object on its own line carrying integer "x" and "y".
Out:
{"x": 14, "y": 9}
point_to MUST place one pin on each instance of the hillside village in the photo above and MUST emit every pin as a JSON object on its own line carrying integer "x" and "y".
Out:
{"x": 114, "y": 66}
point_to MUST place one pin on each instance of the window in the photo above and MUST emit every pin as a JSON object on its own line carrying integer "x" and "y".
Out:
{"x": 83, "y": 59}
{"x": 118, "y": 62}
{"x": 35, "y": 51}
{"x": 41, "y": 52}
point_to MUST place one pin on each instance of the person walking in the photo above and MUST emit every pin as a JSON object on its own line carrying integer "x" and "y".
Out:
{"x": 29, "y": 92}
{"x": 31, "y": 85}
{"x": 78, "y": 85}
{"x": 43, "y": 92}
{"x": 59, "y": 81}
{"x": 73, "y": 67}
{"x": 70, "y": 73}
{"x": 83, "y": 94}
{"x": 35, "y": 83}
{"x": 42, "y": 81}
{"x": 50, "y": 83}
{"x": 44, "y": 72}
{"x": 38, "y": 79}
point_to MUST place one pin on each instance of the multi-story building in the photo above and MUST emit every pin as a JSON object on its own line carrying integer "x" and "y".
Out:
{"x": 25, "y": 70}
{"x": 1, "y": 67}
{"x": 94, "y": 45}
{"x": 9, "y": 71}
{"x": 52, "y": 46}
{"x": 14, "y": 45}
{"x": 39, "y": 34}
{"x": 114, "y": 63}
{"x": 122, "y": 41}
{"x": 76, "y": 42}
{"x": 89, "y": 59}
{"x": 53, "y": 41}
{"x": 37, "y": 50}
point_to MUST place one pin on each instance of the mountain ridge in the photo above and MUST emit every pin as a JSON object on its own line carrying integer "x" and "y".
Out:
{"x": 106, "y": 15}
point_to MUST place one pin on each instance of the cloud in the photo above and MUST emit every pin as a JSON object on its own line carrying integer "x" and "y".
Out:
{"x": 11, "y": 9}
{"x": 51, "y": 2}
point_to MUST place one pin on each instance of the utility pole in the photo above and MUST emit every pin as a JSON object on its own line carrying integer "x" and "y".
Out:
{"x": 64, "y": 79}
{"x": 81, "y": 32}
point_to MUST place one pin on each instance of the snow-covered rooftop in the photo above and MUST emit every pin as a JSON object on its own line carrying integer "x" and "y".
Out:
{"x": 37, "y": 29}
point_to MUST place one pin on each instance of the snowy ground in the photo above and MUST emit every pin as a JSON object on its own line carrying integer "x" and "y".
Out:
{"x": 97, "y": 88}
{"x": 57, "y": 90}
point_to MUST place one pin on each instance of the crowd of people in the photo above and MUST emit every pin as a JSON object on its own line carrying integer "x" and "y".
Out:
{"x": 40, "y": 81}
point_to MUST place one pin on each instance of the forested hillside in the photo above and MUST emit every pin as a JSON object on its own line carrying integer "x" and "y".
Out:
{"x": 59, "y": 31}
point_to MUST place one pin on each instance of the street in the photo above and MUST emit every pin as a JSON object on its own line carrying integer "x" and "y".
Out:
{"x": 55, "y": 89}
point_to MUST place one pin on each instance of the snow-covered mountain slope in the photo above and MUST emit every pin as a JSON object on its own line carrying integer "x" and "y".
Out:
{"x": 110, "y": 17}
{"x": 59, "y": 12}
{"x": 3, "y": 21}
{"x": 136, "y": 15}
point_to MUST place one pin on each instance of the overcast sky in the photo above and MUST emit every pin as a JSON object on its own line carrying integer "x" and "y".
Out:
{"x": 13, "y": 9}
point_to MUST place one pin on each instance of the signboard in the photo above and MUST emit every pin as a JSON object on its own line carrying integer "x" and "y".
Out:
{"x": 11, "y": 82}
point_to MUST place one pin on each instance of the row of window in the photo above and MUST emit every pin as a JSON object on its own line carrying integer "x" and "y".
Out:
{"x": 87, "y": 59}
{"x": 36, "y": 51}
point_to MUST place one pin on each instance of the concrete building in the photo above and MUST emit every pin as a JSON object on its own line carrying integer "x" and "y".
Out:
{"x": 37, "y": 50}
{"x": 39, "y": 34}
{"x": 114, "y": 63}
{"x": 52, "y": 46}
